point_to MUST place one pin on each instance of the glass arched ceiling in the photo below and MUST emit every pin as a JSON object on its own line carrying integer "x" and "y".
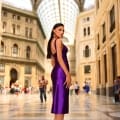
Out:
{"x": 54, "y": 11}
{"x": 22, "y": 4}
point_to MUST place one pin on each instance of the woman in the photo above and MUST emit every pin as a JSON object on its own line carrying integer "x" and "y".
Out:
{"x": 60, "y": 74}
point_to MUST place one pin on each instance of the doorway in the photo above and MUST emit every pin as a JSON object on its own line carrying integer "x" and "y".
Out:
{"x": 13, "y": 76}
{"x": 114, "y": 62}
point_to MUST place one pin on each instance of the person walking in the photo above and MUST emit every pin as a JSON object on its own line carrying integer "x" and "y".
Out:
{"x": 116, "y": 88}
{"x": 60, "y": 75}
{"x": 42, "y": 89}
{"x": 77, "y": 88}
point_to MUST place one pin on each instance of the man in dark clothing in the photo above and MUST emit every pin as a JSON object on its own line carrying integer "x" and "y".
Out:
{"x": 42, "y": 88}
{"x": 117, "y": 89}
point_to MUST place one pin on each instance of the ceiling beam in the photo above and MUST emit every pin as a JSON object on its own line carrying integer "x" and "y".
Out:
{"x": 80, "y": 4}
{"x": 35, "y": 4}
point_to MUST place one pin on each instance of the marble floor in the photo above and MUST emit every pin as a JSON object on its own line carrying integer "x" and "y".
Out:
{"x": 82, "y": 107}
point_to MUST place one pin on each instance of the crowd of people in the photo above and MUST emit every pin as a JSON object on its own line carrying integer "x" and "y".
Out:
{"x": 42, "y": 85}
{"x": 17, "y": 89}
{"x": 75, "y": 88}
{"x": 42, "y": 89}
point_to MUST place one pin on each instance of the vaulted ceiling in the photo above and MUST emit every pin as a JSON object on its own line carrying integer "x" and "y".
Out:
{"x": 55, "y": 11}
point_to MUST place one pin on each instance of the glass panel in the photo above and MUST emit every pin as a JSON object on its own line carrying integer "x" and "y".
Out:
{"x": 15, "y": 49}
{"x": 28, "y": 70}
{"x": 87, "y": 69}
{"x": 51, "y": 12}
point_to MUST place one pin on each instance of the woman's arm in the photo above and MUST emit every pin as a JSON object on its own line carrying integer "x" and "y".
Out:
{"x": 59, "y": 56}
{"x": 61, "y": 62}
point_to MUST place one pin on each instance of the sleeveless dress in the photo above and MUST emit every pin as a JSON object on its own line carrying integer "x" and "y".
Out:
{"x": 60, "y": 103}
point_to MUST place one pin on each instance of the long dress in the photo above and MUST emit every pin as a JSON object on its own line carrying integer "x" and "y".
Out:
{"x": 60, "y": 103}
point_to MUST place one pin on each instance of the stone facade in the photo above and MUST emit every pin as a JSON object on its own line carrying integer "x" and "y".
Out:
{"x": 107, "y": 36}
{"x": 85, "y": 49}
{"x": 0, "y": 21}
{"x": 22, "y": 47}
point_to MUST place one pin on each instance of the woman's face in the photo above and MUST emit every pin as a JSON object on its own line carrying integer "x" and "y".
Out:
{"x": 59, "y": 31}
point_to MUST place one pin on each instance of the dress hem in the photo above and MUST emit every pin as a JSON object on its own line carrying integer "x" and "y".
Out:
{"x": 59, "y": 113}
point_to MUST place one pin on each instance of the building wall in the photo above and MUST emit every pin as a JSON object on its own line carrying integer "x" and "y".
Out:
{"x": 119, "y": 33}
{"x": 23, "y": 29}
{"x": 85, "y": 20}
{"x": 107, "y": 50}
{"x": 71, "y": 60}
{"x": 0, "y": 21}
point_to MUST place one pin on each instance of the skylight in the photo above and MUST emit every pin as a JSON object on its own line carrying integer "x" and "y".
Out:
{"x": 51, "y": 12}
{"x": 89, "y": 3}
{"x": 23, "y": 4}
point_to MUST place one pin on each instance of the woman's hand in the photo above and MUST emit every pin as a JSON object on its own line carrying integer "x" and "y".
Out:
{"x": 68, "y": 80}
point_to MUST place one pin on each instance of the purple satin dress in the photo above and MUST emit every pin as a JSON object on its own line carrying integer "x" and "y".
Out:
{"x": 60, "y": 103}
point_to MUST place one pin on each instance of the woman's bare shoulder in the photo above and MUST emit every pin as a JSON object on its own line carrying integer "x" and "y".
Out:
{"x": 59, "y": 41}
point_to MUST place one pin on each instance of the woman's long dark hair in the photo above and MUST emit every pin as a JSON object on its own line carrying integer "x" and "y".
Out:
{"x": 49, "y": 53}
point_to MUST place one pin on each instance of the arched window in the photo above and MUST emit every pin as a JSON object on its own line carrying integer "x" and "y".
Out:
{"x": 28, "y": 50}
{"x": 87, "y": 51}
{"x": 15, "y": 50}
{"x": 2, "y": 47}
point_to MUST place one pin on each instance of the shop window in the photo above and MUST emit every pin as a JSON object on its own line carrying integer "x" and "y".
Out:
{"x": 87, "y": 69}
